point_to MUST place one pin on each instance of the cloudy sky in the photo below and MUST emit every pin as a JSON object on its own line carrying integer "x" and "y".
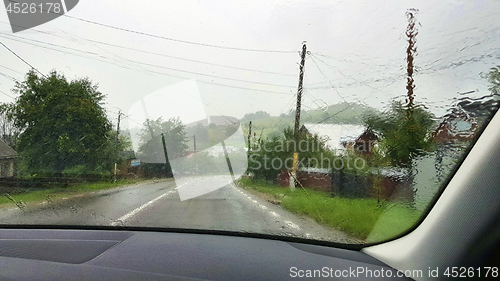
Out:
{"x": 244, "y": 55}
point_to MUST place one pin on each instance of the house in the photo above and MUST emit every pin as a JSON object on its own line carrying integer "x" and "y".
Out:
{"x": 7, "y": 157}
{"x": 342, "y": 137}
{"x": 457, "y": 126}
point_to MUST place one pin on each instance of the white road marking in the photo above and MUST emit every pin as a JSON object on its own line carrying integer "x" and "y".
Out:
{"x": 288, "y": 223}
{"x": 123, "y": 218}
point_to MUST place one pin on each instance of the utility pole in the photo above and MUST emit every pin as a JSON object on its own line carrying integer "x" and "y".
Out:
{"x": 411, "y": 50}
{"x": 194, "y": 145}
{"x": 164, "y": 148}
{"x": 194, "y": 140}
{"x": 299, "y": 90}
{"x": 117, "y": 132}
{"x": 249, "y": 135}
{"x": 293, "y": 175}
{"x": 118, "y": 125}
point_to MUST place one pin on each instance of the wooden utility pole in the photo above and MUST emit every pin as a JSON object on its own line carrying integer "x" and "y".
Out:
{"x": 249, "y": 135}
{"x": 299, "y": 90}
{"x": 164, "y": 147}
{"x": 194, "y": 143}
{"x": 293, "y": 175}
{"x": 411, "y": 50}
{"x": 194, "y": 146}
{"x": 118, "y": 125}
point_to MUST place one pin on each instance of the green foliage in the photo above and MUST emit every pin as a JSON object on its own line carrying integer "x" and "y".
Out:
{"x": 9, "y": 133}
{"x": 494, "y": 78}
{"x": 152, "y": 147}
{"x": 482, "y": 108}
{"x": 63, "y": 125}
{"x": 54, "y": 193}
{"x": 269, "y": 157}
{"x": 363, "y": 218}
{"x": 406, "y": 132}
{"x": 342, "y": 113}
{"x": 255, "y": 116}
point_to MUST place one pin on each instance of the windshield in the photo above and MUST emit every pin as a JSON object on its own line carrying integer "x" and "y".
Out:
{"x": 337, "y": 121}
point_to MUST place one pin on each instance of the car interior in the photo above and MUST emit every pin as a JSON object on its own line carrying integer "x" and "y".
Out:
{"x": 174, "y": 195}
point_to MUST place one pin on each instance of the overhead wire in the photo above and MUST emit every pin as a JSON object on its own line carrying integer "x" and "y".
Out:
{"x": 7, "y": 94}
{"x": 9, "y": 77}
{"x": 160, "y": 54}
{"x": 162, "y": 37}
{"x": 190, "y": 60}
{"x": 19, "y": 57}
{"x": 176, "y": 76}
{"x": 179, "y": 40}
{"x": 326, "y": 78}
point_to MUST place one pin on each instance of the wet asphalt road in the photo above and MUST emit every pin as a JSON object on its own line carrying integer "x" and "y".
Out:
{"x": 158, "y": 205}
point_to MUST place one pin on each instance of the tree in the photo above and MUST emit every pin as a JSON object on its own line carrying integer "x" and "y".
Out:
{"x": 483, "y": 107}
{"x": 405, "y": 129}
{"x": 9, "y": 133}
{"x": 151, "y": 148}
{"x": 272, "y": 155}
{"x": 403, "y": 137}
{"x": 63, "y": 124}
{"x": 494, "y": 78}
{"x": 255, "y": 116}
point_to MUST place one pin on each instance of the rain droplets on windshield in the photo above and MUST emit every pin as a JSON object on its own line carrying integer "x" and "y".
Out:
{"x": 327, "y": 121}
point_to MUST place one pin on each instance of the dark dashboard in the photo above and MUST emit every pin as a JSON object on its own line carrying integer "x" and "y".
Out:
{"x": 70, "y": 254}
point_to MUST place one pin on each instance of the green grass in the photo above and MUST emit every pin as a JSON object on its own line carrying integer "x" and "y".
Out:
{"x": 362, "y": 218}
{"x": 58, "y": 192}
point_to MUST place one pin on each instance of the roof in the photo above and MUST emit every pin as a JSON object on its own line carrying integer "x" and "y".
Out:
{"x": 6, "y": 151}
{"x": 335, "y": 135}
{"x": 456, "y": 126}
{"x": 316, "y": 170}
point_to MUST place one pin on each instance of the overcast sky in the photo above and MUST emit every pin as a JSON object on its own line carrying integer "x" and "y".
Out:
{"x": 357, "y": 51}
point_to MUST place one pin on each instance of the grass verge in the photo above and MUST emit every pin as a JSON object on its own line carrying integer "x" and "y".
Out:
{"x": 363, "y": 218}
{"x": 29, "y": 196}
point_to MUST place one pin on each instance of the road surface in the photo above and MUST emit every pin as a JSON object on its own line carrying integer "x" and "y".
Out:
{"x": 158, "y": 205}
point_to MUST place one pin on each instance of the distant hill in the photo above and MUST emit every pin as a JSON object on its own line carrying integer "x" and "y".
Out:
{"x": 342, "y": 113}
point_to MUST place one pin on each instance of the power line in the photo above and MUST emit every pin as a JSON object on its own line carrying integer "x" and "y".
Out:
{"x": 178, "y": 40}
{"x": 355, "y": 97}
{"x": 333, "y": 115}
{"x": 12, "y": 69}
{"x": 191, "y": 60}
{"x": 276, "y": 123}
{"x": 22, "y": 59}
{"x": 321, "y": 71}
{"x": 209, "y": 75}
{"x": 9, "y": 77}
{"x": 7, "y": 94}
{"x": 173, "y": 69}
{"x": 154, "y": 53}
{"x": 164, "y": 37}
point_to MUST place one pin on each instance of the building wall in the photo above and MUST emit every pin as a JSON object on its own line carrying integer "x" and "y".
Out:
{"x": 6, "y": 168}
{"x": 354, "y": 186}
